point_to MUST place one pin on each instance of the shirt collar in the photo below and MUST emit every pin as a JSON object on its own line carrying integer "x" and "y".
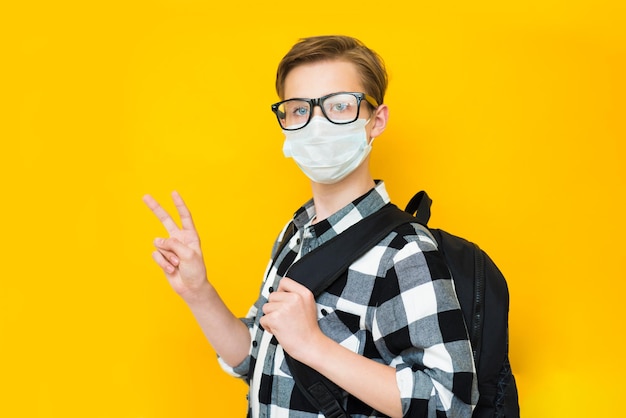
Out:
{"x": 363, "y": 206}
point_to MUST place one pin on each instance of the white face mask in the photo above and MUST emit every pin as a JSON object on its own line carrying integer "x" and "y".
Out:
{"x": 327, "y": 152}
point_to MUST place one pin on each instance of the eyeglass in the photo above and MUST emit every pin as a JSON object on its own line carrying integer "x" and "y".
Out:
{"x": 339, "y": 108}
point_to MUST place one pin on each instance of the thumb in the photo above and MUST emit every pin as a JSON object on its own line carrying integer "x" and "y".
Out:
{"x": 289, "y": 285}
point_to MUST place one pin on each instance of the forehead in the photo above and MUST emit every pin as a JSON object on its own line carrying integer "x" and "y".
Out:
{"x": 317, "y": 79}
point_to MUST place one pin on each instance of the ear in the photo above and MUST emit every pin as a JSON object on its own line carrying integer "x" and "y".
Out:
{"x": 379, "y": 120}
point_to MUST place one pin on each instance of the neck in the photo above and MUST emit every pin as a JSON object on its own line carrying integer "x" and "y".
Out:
{"x": 329, "y": 198}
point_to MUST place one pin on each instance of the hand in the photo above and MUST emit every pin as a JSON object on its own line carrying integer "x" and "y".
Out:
{"x": 291, "y": 315}
{"x": 180, "y": 255}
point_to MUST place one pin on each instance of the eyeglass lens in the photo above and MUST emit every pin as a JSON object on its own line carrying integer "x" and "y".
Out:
{"x": 338, "y": 108}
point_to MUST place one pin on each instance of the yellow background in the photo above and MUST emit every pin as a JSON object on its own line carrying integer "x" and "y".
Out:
{"x": 511, "y": 115}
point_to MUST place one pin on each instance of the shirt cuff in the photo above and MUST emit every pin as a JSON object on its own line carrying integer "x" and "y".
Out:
{"x": 241, "y": 370}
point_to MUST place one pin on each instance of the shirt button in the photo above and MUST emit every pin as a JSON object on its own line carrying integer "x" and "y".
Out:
{"x": 271, "y": 289}
{"x": 298, "y": 241}
{"x": 324, "y": 312}
{"x": 254, "y": 343}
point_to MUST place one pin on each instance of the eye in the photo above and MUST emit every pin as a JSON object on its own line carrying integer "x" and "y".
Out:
{"x": 300, "y": 111}
{"x": 339, "y": 107}
{"x": 340, "y": 104}
{"x": 296, "y": 108}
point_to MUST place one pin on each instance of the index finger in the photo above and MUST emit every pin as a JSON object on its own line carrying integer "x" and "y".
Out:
{"x": 161, "y": 214}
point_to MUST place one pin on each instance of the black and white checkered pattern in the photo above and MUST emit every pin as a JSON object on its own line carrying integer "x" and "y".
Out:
{"x": 396, "y": 305}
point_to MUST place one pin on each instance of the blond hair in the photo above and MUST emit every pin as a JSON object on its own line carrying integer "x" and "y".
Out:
{"x": 321, "y": 48}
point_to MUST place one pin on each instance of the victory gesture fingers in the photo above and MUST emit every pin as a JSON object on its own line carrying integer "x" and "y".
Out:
{"x": 188, "y": 230}
{"x": 179, "y": 255}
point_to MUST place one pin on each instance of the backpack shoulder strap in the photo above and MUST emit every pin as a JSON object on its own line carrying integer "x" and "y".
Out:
{"x": 317, "y": 270}
{"x": 321, "y": 267}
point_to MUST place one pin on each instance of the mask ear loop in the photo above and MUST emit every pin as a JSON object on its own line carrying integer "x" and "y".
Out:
{"x": 372, "y": 138}
{"x": 368, "y": 121}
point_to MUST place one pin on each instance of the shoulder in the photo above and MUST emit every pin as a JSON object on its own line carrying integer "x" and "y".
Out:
{"x": 413, "y": 256}
{"x": 405, "y": 251}
{"x": 411, "y": 237}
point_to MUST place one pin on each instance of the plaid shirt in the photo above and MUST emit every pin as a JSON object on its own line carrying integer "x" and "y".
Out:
{"x": 395, "y": 305}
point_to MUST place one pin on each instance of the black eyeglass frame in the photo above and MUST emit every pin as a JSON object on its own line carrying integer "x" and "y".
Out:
{"x": 318, "y": 102}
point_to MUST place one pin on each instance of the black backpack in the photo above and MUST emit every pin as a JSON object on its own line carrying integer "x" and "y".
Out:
{"x": 481, "y": 289}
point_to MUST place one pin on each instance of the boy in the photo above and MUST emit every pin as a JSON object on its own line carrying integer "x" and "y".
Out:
{"x": 390, "y": 331}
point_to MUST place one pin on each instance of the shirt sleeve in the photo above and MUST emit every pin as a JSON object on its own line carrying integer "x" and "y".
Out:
{"x": 419, "y": 329}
